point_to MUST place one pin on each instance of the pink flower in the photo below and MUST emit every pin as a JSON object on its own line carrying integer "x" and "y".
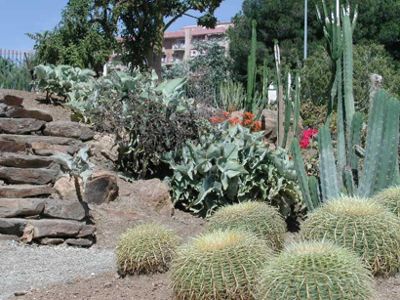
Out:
{"x": 306, "y": 137}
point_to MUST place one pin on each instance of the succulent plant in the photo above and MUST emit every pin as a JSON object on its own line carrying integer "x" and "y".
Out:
{"x": 390, "y": 198}
{"x": 314, "y": 270}
{"x": 258, "y": 217}
{"x": 361, "y": 225}
{"x": 218, "y": 265}
{"x": 146, "y": 248}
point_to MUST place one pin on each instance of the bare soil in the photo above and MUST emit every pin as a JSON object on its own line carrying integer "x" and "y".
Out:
{"x": 113, "y": 219}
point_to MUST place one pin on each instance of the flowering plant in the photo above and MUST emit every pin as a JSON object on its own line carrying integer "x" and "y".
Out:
{"x": 306, "y": 137}
{"x": 245, "y": 119}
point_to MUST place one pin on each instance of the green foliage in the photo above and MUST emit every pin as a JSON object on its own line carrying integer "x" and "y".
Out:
{"x": 368, "y": 59}
{"x": 233, "y": 165}
{"x": 13, "y": 76}
{"x": 146, "y": 248}
{"x": 231, "y": 96}
{"x": 59, "y": 80}
{"x": 257, "y": 217}
{"x": 390, "y": 198}
{"x": 78, "y": 40}
{"x": 360, "y": 225}
{"x": 315, "y": 270}
{"x": 218, "y": 265}
{"x": 208, "y": 71}
{"x": 145, "y": 23}
{"x": 148, "y": 117}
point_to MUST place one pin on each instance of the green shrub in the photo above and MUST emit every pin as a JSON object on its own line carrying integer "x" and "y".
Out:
{"x": 390, "y": 198}
{"x": 361, "y": 225}
{"x": 148, "y": 117}
{"x": 233, "y": 165}
{"x": 13, "y": 76}
{"x": 59, "y": 80}
{"x": 315, "y": 270}
{"x": 257, "y": 217}
{"x": 368, "y": 59}
{"x": 218, "y": 265}
{"x": 146, "y": 248}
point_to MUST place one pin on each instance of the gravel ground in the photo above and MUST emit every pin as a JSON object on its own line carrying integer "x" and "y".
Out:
{"x": 25, "y": 267}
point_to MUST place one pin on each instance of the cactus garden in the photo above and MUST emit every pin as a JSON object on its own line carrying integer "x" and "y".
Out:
{"x": 201, "y": 150}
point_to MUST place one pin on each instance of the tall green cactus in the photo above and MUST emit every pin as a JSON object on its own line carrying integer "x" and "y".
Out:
{"x": 346, "y": 174}
{"x": 252, "y": 68}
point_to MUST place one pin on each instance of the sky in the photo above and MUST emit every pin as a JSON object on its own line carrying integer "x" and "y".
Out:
{"x": 18, "y": 17}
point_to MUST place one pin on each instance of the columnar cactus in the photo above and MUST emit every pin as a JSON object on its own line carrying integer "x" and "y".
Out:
{"x": 220, "y": 265}
{"x": 361, "y": 225}
{"x": 146, "y": 248}
{"x": 257, "y": 217}
{"x": 314, "y": 270}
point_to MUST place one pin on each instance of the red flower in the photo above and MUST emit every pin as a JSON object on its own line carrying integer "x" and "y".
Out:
{"x": 235, "y": 121}
{"x": 306, "y": 137}
{"x": 226, "y": 114}
{"x": 257, "y": 126}
{"x": 216, "y": 120}
{"x": 248, "y": 116}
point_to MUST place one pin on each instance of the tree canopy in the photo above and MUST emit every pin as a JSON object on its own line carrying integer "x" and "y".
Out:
{"x": 76, "y": 41}
{"x": 282, "y": 20}
{"x": 143, "y": 23}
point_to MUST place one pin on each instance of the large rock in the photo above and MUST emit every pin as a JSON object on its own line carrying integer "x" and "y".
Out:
{"x": 21, "y": 207}
{"x": 101, "y": 187}
{"x": 85, "y": 243}
{"x": 29, "y": 175}
{"x": 25, "y": 190}
{"x": 154, "y": 193}
{"x": 103, "y": 150}
{"x": 12, "y": 100}
{"x": 20, "y": 112}
{"x": 66, "y": 188}
{"x": 69, "y": 129}
{"x": 44, "y": 149}
{"x": 12, "y": 226}
{"x": 52, "y": 228}
{"x": 10, "y": 146}
{"x": 20, "y": 126}
{"x": 269, "y": 121}
{"x": 64, "y": 209}
{"x": 30, "y": 139}
{"x": 26, "y": 161}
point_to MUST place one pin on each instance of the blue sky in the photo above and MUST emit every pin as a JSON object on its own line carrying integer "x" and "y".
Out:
{"x": 18, "y": 17}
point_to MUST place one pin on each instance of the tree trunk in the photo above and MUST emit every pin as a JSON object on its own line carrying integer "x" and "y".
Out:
{"x": 154, "y": 62}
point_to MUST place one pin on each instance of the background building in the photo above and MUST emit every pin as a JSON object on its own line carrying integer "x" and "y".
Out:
{"x": 178, "y": 45}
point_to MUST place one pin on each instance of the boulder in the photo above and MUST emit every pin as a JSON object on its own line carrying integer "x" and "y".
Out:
{"x": 66, "y": 189}
{"x": 10, "y": 146}
{"x": 269, "y": 121}
{"x": 64, "y": 209}
{"x": 29, "y": 175}
{"x": 101, "y": 187}
{"x": 12, "y": 226}
{"x": 26, "y": 161}
{"x": 44, "y": 149}
{"x": 103, "y": 150}
{"x": 12, "y": 100}
{"x": 30, "y": 139}
{"x": 87, "y": 230}
{"x": 20, "y": 126}
{"x": 52, "y": 228}
{"x": 85, "y": 243}
{"x": 69, "y": 129}
{"x": 20, "y": 112}
{"x": 25, "y": 190}
{"x": 154, "y": 193}
{"x": 21, "y": 207}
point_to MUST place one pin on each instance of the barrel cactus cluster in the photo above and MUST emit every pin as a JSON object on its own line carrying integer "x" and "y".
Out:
{"x": 219, "y": 265}
{"x": 314, "y": 270}
{"x": 257, "y": 217}
{"x": 361, "y": 225}
{"x": 145, "y": 249}
{"x": 390, "y": 198}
